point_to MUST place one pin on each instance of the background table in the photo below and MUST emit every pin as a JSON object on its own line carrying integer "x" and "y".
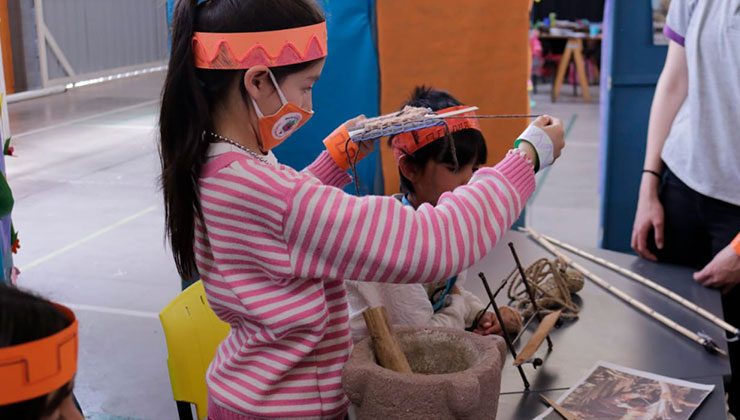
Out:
{"x": 609, "y": 329}
{"x": 573, "y": 51}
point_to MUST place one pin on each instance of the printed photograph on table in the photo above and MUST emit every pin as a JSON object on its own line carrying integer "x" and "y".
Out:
{"x": 660, "y": 11}
{"x": 616, "y": 392}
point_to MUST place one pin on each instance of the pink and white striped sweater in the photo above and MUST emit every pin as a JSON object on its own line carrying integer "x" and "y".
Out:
{"x": 276, "y": 245}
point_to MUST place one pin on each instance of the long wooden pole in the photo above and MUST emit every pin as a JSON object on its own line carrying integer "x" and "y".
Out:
{"x": 647, "y": 282}
{"x": 705, "y": 342}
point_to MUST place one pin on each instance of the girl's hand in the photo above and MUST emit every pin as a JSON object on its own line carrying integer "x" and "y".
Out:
{"x": 488, "y": 324}
{"x": 354, "y": 123}
{"x": 554, "y": 129}
{"x": 344, "y": 151}
{"x": 543, "y": 141}
{"x": 365, "y": 147}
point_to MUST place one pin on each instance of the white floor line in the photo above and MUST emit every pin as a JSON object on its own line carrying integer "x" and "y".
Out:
{"x": 79, "y": 120}
{"x": 111, "y": 311}
{"x": 112, "y": 126}
{"x": 87, "y": 238}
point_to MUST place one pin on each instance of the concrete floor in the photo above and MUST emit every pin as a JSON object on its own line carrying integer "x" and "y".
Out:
{"x": 566, "y": 204}
{"x": 91, "y": 227}
{"x": 90, "y": 221}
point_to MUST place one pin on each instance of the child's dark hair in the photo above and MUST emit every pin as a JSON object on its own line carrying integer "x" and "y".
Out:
{"x": 190, "y": 94}
{"x": 469, "y": 145}
{"x": 25, "y": 318}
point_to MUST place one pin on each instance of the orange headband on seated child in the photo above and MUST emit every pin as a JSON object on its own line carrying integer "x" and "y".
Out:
{"x": 37, "y": 368}
{"x": 234, "y": 51}
{"x": 409, "y": 142}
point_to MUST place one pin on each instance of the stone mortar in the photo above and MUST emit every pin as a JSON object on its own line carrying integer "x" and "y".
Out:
{"x": 457, "y": 375}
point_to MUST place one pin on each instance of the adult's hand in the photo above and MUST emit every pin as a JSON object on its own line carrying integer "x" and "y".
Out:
{"x": 723, "y": 272}
{"x": 650, "y": 217}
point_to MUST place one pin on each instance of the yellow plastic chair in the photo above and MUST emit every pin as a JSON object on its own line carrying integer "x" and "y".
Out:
{"x": 193, "y": 333}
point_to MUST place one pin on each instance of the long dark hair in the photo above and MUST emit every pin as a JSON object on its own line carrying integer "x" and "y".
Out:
{"x": 25, "y": 318}
{"x": 469, "y": 145}
{"x": 189, "y": 94}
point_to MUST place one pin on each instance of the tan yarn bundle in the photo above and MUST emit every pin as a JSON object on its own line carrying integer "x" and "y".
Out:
{"x": 553, "y": 285}
{"x": 410, "y": 118}
{"x": 405, "y": 117}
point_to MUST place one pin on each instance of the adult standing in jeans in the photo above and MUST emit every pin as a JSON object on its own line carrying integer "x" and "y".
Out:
{"x": 689, "y": 204}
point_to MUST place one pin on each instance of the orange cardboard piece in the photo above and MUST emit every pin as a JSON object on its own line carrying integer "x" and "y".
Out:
{"x": 409, "y": 142}
{"x": 271, "y": 48}
{"x": 475, "y": 49}
{"x": 341, "y": 148}
{"x": 37, "y": 368}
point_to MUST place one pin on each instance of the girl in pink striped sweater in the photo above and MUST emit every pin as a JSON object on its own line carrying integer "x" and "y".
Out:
{"x": 274, "y": 245}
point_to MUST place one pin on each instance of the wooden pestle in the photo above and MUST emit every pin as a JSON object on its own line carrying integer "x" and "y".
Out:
{"x": 385, "y": 345}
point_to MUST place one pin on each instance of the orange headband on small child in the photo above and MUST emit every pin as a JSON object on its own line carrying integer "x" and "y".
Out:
{"x": 234, "y": 51}
{"x": 409, "y": 142}
{"x": 39, "y": 367}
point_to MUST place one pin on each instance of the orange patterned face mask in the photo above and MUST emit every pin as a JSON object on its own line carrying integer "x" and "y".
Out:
{"x": 276, "y": 128}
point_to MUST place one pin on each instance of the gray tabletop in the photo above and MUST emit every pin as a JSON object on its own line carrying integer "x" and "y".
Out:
{"x": 609, "y": 329}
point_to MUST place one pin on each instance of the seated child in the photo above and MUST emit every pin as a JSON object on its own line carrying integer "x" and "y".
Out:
{"x": 442, "y": 165}
{"x": 38, "y": 358}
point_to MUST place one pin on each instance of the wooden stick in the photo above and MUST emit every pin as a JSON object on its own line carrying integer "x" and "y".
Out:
{"x": 386, "y": 347}
{"x": 452, "y": 113}
{"x": 504, "y": 333}
{"x": 647, "y": 282}
{"x": 534, "y": 343}
{"x": 530, "y": 293}
{"x": 703, "y": 341}
{"x": 500, "y": 116}
{"x": 567, "y": 415}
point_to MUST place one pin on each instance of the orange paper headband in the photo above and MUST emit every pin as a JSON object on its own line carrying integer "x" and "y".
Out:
{"x": 233, "y": 51}
{"x": 409, "y": 142}
{"x": 37, "y": 368}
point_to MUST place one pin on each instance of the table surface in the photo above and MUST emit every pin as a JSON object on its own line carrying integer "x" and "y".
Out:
{"x": 608, "y": 329}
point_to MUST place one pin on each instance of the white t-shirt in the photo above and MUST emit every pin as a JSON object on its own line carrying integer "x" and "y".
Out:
{"x": 703, "y": 146}
{"x": 409, "y": 305}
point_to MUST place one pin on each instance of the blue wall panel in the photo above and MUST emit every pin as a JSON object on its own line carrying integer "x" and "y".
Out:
{"x": 348, "y": 87}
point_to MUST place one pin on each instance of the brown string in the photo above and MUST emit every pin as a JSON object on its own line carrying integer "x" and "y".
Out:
{"x": 451, "y": 145}
{"x": 553, "y": 285}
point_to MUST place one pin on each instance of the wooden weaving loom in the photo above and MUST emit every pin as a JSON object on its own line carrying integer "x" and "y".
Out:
{"x": 541, "y": 334}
